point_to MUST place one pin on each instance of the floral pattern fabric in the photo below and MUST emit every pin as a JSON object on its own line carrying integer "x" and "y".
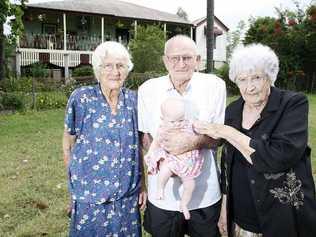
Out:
{"x": 104, "y": 167}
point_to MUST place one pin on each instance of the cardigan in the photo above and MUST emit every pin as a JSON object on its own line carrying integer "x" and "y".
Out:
{"x": 281, "y": 180}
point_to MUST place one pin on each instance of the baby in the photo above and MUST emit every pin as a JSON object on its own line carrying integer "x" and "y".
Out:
{"x": 187, "y": 166}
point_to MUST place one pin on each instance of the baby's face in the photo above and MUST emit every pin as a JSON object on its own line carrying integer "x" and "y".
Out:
{"x": 173, "y": 120}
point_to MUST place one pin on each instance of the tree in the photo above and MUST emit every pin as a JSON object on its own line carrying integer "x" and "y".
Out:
{"x": 182, "y": 13}
{"x": 235, "y": 38}
{"x": 147, "y": 49}
{"x": 292, "y": 35}
{"x": 8, "y": 9}
{"x": 209, "y": 35}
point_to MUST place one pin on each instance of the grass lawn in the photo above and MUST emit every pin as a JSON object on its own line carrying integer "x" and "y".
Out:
{"x": 33, "y": 187}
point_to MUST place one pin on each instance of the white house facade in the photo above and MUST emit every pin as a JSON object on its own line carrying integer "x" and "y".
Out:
{"x": 220, "y": 40}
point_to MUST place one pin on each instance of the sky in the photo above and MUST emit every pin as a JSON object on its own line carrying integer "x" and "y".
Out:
{"x": 230, "y": 12}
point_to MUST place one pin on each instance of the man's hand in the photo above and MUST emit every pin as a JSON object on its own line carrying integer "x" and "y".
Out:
{"x": 177, "y": 142}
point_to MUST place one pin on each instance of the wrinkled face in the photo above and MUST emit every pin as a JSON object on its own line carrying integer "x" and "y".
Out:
{"x": 113, "y": 72}
{"x": 254, "y": 87}
{"x": 181, "y": 61}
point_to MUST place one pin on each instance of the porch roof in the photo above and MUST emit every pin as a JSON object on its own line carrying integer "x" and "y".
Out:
{"x": 111, "y": 8}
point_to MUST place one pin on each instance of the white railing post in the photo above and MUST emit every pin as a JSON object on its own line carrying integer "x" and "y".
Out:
{"x": 102, "y": 29}
{"x": 191, "y": 32}
{"x": 18, "y": 58}
{"x": 65, "y": 31}
{"x": 165, "y": 30}
{"x": 135, "y": 29}
{"x": 66, "y": 55}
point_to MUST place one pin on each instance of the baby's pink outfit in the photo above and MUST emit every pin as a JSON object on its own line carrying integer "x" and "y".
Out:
{"x": 187, "y": 165}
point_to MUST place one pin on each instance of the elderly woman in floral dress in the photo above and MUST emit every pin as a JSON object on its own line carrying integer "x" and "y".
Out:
{"x": 101, "y": 150}
{"x": 266, "y": 168}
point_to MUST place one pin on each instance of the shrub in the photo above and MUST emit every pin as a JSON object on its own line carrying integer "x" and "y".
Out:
{"x": 135, "y": 79}
{"x": 39, "y": 70}
{"x": 223, "y": 72}
{"x": 83, "y": 71}
{"x": 12, "y": 84}
{"x": 11, "y": 101}
{"x": 72, "y": 85}
{"x": 147, "y": 49}
{"x": 50, "y": 100}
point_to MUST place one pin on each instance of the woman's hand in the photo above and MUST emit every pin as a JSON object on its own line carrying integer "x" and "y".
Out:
{"x": 177, "y": 142}
{"x": 209, "y": 129}
{"x": 222, "y": 222}
{"x": 142, "y": 199}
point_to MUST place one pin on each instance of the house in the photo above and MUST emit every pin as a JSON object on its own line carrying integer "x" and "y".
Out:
{"x": 64, "y": 33}
{"x": 220, "y": 41}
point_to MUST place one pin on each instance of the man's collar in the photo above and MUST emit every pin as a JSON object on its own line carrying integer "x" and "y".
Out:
{"x": 170, "y": 86}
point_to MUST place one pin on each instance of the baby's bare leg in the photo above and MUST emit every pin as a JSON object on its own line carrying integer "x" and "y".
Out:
{"x": 188, "y": 187}
{"x": 163, "y": 176}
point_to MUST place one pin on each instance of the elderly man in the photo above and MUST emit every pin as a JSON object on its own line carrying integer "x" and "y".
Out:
{"x": 205, "y": 97}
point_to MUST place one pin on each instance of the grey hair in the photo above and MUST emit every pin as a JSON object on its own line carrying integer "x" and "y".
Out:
{"x": 253, "y": 57}
{"x": 106, "y": 48}
{"x": 181, "y": 38}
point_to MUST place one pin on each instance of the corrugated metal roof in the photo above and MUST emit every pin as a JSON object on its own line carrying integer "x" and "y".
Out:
{"x": 111, "y": 7}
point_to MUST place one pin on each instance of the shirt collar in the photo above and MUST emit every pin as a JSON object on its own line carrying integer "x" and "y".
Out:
{"x": 170, "y": 86}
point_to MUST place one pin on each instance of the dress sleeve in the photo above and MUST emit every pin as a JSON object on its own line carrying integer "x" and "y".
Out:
{"x": 283, "y": 148}
{"x": 71, "y": 114}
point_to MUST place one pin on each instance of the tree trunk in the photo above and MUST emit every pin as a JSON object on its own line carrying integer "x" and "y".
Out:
{"x": 209, "y": 35}
{"x": 2, "y": 58}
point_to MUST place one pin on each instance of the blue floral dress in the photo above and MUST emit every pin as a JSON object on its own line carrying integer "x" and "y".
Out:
{"x": 104, "y": 168}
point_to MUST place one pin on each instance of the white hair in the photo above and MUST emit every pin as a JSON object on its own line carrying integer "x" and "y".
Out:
{"x": 251, "y": 58}
{"x": 106, "y": 48}
{"x": 176, "y": 38}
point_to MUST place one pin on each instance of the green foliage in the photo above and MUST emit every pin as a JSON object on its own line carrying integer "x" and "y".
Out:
{"x": 223, "y": 72}
{"x": 83, "y": 71}
{"x": 234, "y": 38}
{"x": 147, "y": 49}
{"x": 24, "y": 84}
{"x": 11, "y": 84}
{"x": 39, "y": 70}
{"x": 52, "y": 100}
{"x": 292, "y": 35}
{"x": 11, "y": 101}
{"x": 135, "y": 79}
{"x": 4, "y": 10}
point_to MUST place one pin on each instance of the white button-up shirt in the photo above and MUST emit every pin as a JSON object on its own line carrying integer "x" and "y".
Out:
{"x": 205, "y": 99}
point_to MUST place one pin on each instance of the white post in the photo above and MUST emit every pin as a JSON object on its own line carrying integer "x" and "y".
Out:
{"x": 66, "y": 60}
{"x": 66, "y": 56}
{"x": 135, "y": 28}
{"x": 102, "y": 29}
{"x": 191, "y": 32}
{"x": 65, "y": 31}
{"x": 165, "y": 30}
{"x": 18, "y": 63}
{"x": 18, "y": 58}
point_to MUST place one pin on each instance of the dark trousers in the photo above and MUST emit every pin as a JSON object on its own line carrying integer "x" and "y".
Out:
{"x": 163, "y": 223}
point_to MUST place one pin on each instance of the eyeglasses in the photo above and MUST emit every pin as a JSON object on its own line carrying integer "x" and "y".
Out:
{"x": 254, "y": 80}
{"x": 109, "y": 67}
{"x": 186, "y": 59}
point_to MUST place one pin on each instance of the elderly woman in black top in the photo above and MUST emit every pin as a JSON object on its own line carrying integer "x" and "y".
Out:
{"x": 267, "y": 182}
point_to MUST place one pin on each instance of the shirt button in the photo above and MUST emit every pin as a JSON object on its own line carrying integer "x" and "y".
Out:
{"x": 258, "y": 201}
{"x": 252, "y": 181}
